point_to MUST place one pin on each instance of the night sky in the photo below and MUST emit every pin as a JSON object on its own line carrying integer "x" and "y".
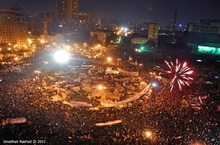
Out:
{"x": 134, "y": 11}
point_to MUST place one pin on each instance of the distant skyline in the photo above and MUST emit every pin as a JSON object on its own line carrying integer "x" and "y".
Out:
{"x": 133, "y": 11}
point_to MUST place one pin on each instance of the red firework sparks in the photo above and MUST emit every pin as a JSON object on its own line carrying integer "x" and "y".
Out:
{"x": 181, "y": 74}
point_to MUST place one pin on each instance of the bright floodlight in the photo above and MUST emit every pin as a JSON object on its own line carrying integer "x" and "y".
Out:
{"x": 62, "y": 56}
{"x": 154, "y": 84}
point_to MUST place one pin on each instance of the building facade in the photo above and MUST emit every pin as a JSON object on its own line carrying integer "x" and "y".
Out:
{"x": 7, "y": 27}
{"x": 153, "y": 31}
{"x": 13, "y": 28}
{"x": 82, "y": 20}
{"x": 100, "y": 36}
{"x": 65, "y": 11}
{"x": 204, "y": 37}
{"x": 21, "y": 31}
{"x": 139, "y": 41}
{"x": 68, "y": 17}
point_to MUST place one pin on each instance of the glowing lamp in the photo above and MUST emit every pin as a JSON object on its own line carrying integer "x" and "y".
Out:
{"x": 62, "y": 56}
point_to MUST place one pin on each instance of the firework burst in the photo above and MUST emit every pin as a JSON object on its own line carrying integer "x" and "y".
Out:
{"x": 181, "y": 73}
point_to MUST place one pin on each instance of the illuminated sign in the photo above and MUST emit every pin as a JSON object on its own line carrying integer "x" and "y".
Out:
{"x": 209, "y": 50}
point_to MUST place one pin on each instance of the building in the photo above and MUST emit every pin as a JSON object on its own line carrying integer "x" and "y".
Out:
{"x": 174, "y": 21}
{"x": 82, "y": 20}
{"x": 35, "y": 25}
{"x": 153, "y": 31}
{"x": 68, "y": 17}
{"x": 204, "y": 37}
{"x": 42, "y": 24}
{"x": 100, "y": 36}
{"x": 65, "y": 11}
{"x": 139, "y": 41}
{"x": 7, "y": 27}
{"x": 21, "y": 31}
{"x": 13, "y": 28}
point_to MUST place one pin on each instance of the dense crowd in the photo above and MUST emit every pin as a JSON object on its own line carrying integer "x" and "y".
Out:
{"x": 57, "y": 123}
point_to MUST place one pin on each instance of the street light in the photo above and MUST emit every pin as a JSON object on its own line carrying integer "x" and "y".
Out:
{"x": 154, "y": 84}
{"x": 109, "y": 59}
{"x": 16, "y": 58}
{"x": 101, "y": 87}
{"x": 37, "y": 72}
{"x": 45, "y": 66}
{"x": 62, "y": 56}
{"x": 45, "y": 62}
{"x": 148, "y": 134}
{"x": 139, "y": 68}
